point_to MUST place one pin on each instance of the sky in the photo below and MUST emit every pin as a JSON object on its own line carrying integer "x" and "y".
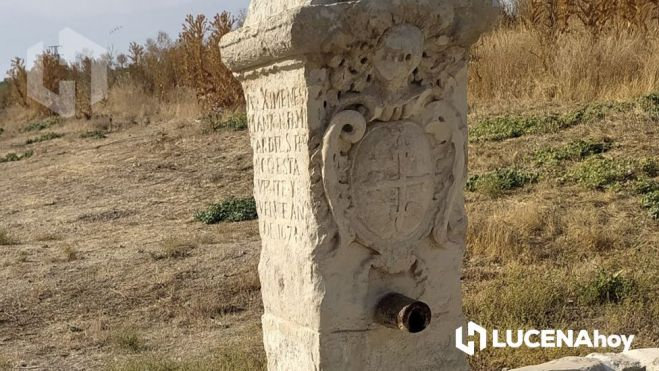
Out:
{"x": 112, "y": 24}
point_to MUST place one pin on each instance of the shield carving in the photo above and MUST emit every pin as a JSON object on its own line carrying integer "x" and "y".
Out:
{"x": 392, "y": 185}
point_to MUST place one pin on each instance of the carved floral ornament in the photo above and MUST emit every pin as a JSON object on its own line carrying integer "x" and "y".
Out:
{"x": 393, "y": 153}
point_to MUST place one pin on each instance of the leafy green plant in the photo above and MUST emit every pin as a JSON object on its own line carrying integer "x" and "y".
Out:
{"x": 650, "y": 201}
{"x": 94, "y": 134}
{"x": 11, "y": 157}
{"x": 44, "y": 137}
{"x": 650, "y": 104}
{"x": 645, "y": 186}
{"x": 230, "y": 210}
{"x": 649, "y": 167}
{"x": 219, "y": 121}
{"x": 607, "y": 287}
{"x": 574, "y": 151}
{"x": 506, "y": 127}
{"x": 602, "y": 173}
{"x": 501, "y": 180}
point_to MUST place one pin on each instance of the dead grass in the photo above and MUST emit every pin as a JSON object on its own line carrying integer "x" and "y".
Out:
{"x": 512, "y": 67}
{"x": 6, "y": 364}
{"x": 229, "y": 360}
{"x": 128, "y": 339}
{"x": 239, "y": 298}
{"x": 6, "y": 239}
{"x": 174, "y": 248}
{"x": 69, "y": 253}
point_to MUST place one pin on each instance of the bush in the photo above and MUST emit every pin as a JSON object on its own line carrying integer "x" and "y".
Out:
{"x": 501, "y": 180}
{"x": 230, "y": 210}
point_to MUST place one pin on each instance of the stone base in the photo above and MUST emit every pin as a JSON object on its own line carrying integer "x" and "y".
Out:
{"x": 635, "y": 360}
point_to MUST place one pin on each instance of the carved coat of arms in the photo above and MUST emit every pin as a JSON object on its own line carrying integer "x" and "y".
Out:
{"x": 393, "y": 153}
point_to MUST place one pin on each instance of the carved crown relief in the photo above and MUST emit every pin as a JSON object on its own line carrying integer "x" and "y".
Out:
{"x": 393, "y": 153}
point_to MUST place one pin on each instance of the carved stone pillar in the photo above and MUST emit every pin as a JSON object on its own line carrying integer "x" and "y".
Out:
{"x": 357, "y": 115}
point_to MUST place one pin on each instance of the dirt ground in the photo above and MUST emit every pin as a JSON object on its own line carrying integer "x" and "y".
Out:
{"x": 87, "y": 283}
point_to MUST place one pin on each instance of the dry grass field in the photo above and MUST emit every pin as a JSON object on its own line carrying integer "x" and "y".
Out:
{"x": 106, "y": 266}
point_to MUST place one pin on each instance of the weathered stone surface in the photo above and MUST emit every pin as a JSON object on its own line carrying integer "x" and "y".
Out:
{"x": 634, "y": 360}
{"x": 357, "y": 117}
{"x": 618, "y": 362}
{"x": 649, "y": 358}
{"x": 568, "y": 364}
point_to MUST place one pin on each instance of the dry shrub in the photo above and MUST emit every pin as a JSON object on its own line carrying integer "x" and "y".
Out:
{"x": 214, "y": 83}
{"x": 160, "y": 72}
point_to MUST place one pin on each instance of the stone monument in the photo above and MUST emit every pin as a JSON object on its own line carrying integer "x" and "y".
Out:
{"x": 357, "y": 116}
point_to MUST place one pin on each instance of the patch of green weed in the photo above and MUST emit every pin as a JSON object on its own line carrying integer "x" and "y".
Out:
{"x": 650, "y": 104}
{"x": 602, "y": 173}
{"x": 573, "y": 151}
{"x": 128, "y": 339}
{"x": 506, "y": 127}
{"x": 607, "y": 287}
{"x": 43, "y": 124}
{"x": 649, "y": 167}
{"x": 230, "y": 210}
{"x": 94, "y": 134}
{"x": 501, "y": 180}
{"x": 220, "y": 121}
{"x": 44, "y": 137}
{"x": 650, "y": 201}
{"x": 11, "y": 157}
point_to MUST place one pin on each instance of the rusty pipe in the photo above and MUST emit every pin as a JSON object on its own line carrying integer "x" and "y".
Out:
{"x": 400, "y": 312}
